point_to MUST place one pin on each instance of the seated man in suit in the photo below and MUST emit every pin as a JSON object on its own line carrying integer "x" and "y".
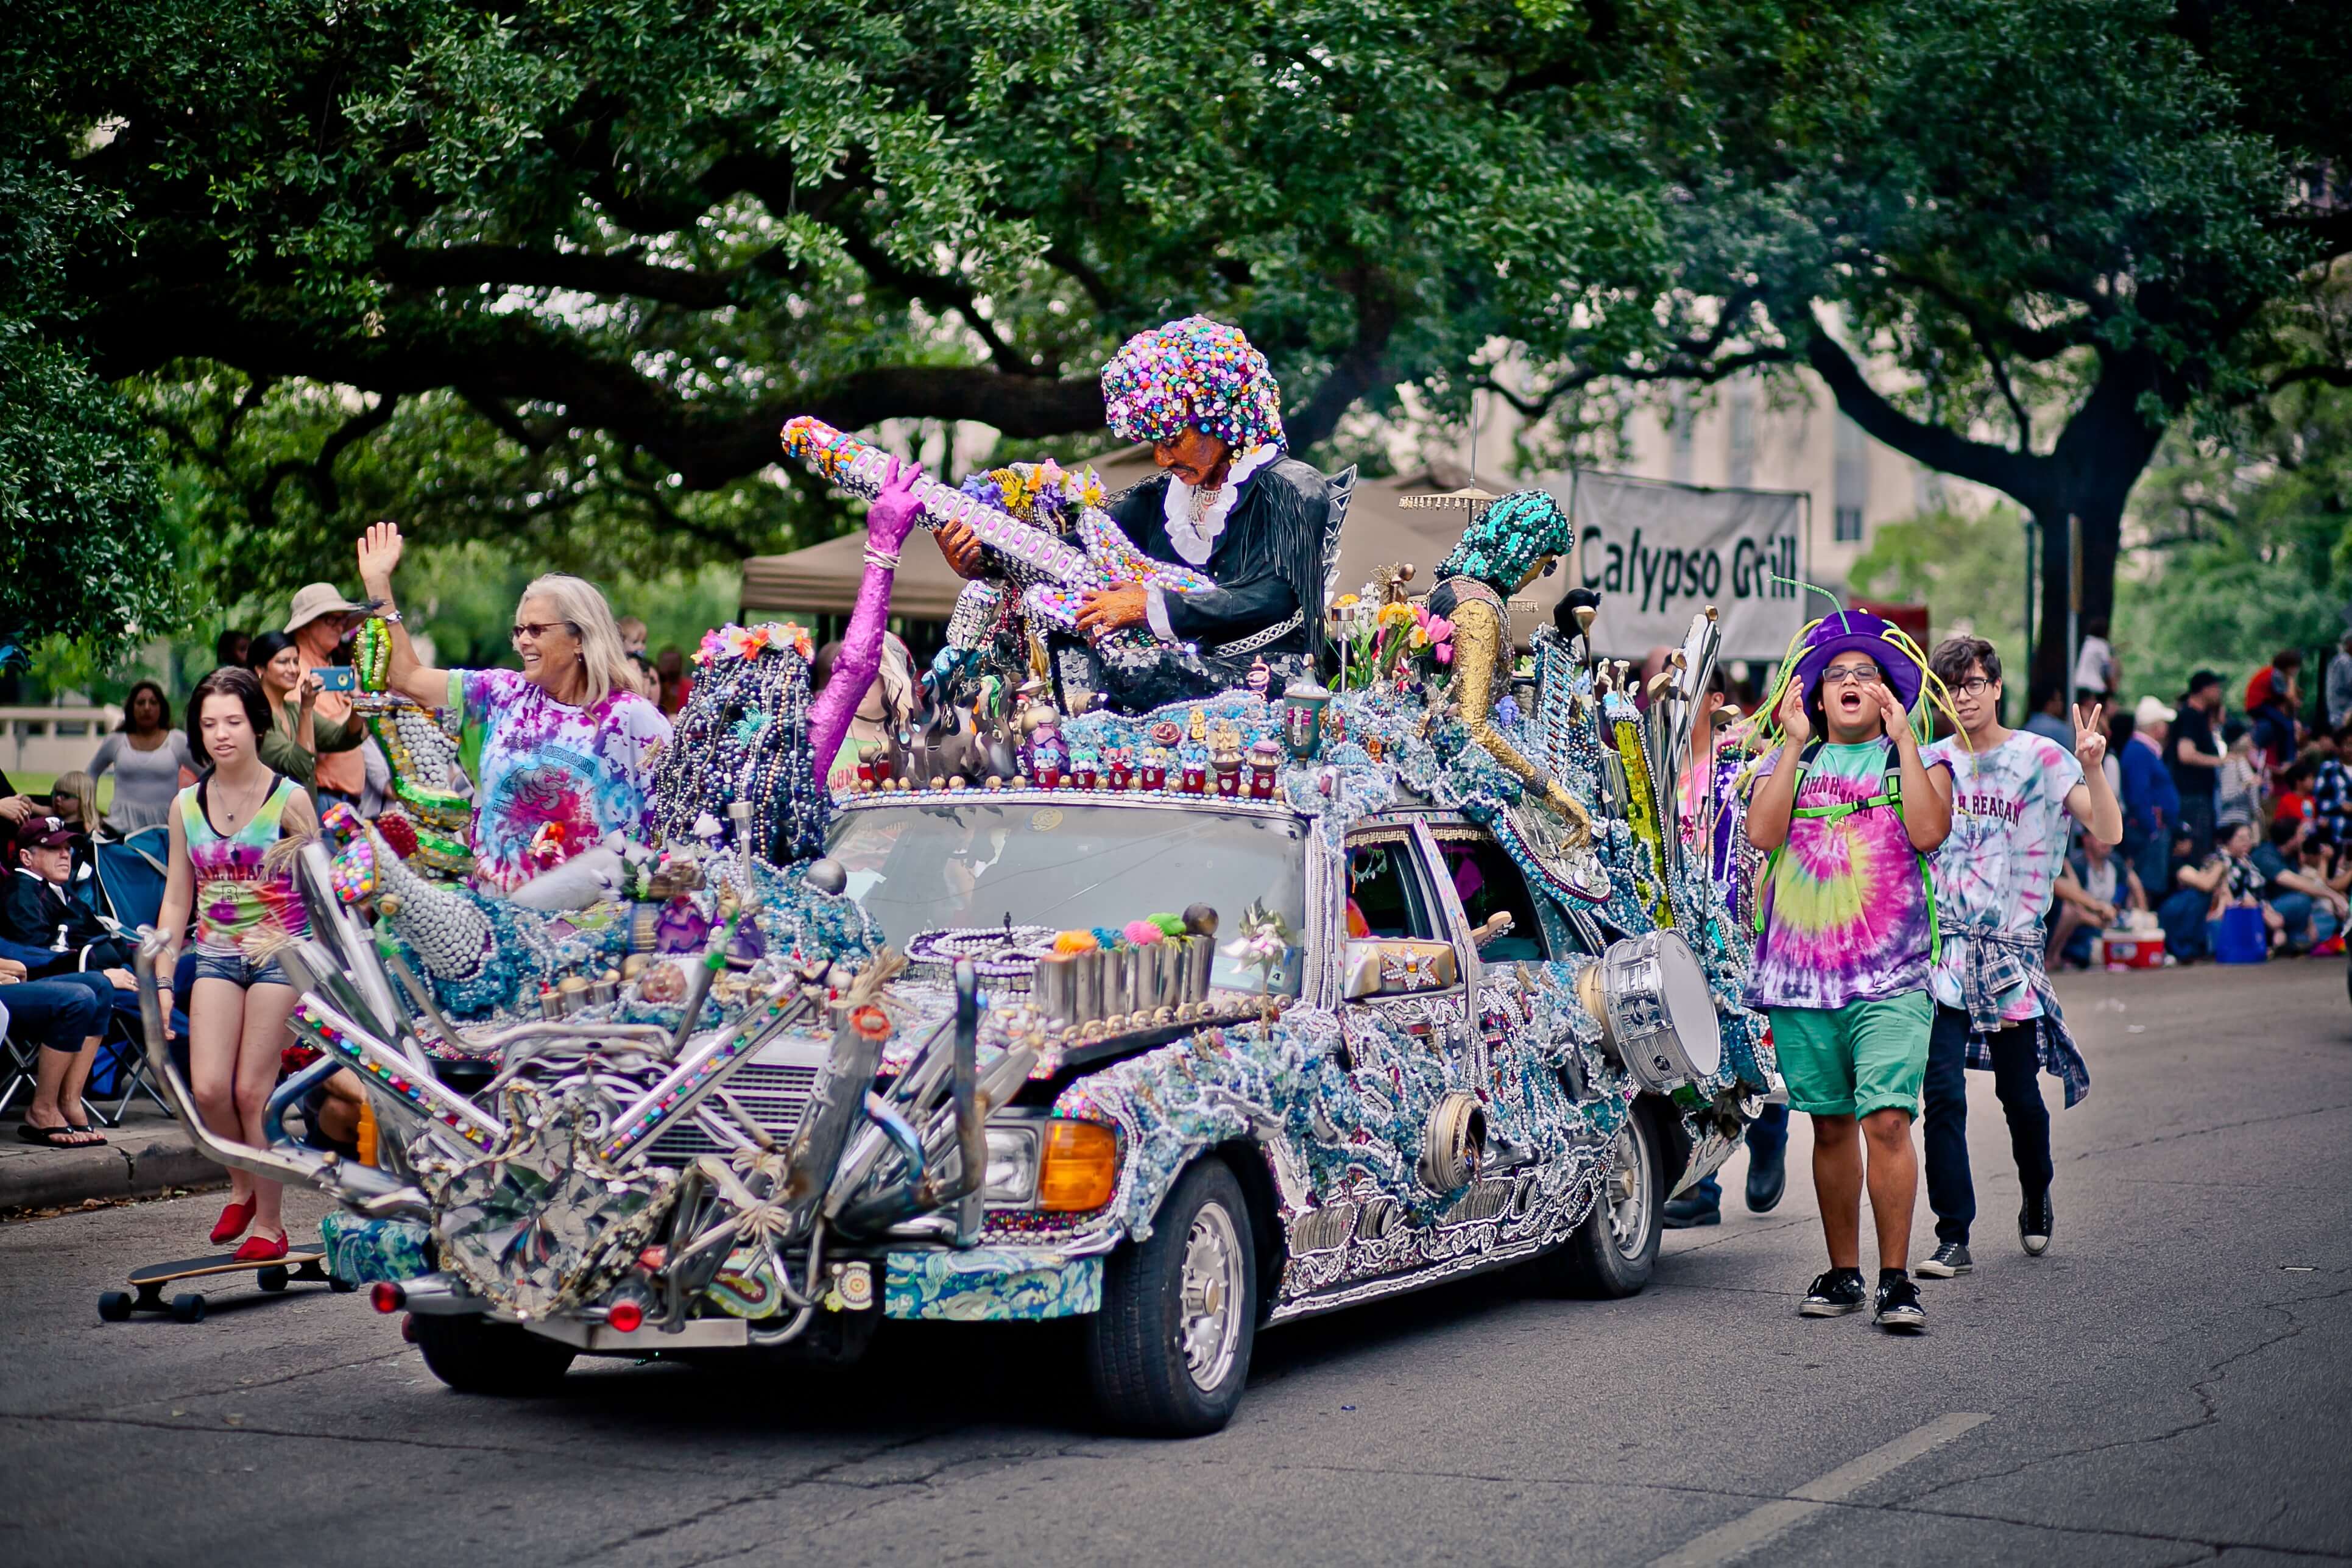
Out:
{"x": 1228, "y": 500}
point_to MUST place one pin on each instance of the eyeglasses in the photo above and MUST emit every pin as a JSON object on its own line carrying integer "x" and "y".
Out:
{"x": 1973, "y": 686}
{"x": 1851, "y": 675}
{"x": 535, "y": 630}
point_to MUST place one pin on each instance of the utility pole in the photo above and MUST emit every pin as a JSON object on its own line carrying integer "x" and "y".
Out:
{"x": 2074, "y": 599}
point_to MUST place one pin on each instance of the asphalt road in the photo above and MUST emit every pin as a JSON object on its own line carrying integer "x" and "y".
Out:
{"x": 2170, "y": 1384}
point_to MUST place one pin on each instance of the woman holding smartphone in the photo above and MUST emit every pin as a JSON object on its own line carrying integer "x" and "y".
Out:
{"x": 298, "y": 735}
{"x": 230, "y": 867}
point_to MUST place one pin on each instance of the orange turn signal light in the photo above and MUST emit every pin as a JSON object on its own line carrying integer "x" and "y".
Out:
{"x": 1080, "y": 1170}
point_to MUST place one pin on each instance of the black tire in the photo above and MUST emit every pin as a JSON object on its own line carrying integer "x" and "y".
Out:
{"x": 1612, "y": 1253}
{"x": 188, "y": 1309}
{"x": 1143, "y": 1346}
{"x": 476, "y": 1355}
{"x": 114, "y": 1306}
{"x": 341, "y": 1286}
{"x": 272, "y": 1279}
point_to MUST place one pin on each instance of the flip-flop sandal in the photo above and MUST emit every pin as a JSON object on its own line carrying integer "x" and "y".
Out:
{"x": 49, "y": 1137}
{"x": 94, "y": 1138}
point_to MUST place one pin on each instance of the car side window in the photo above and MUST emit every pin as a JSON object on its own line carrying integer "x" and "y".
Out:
{"x": 1385, "y": 895}
{"x": 1488, "y": 884}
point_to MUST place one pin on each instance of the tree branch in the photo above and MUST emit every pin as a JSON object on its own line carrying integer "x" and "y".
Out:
{"x": 514, "y": 266}
{"x": 1360, "y": 366}
{"x": 2329, "y": 375}
{"x": 2017, "y": 474}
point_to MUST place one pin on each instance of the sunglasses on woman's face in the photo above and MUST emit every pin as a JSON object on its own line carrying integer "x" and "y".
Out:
{"x": 535, "y": 630}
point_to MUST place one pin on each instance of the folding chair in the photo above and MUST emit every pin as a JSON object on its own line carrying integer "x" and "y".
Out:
{"x": 130, "y": 877}
{"x": 17, "y": 1059}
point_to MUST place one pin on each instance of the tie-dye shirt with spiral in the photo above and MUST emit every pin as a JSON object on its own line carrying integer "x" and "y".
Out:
{"x": 1845, "y": 908}
{"x": 555, "y": 778}
{"x": 2008, "y": 843}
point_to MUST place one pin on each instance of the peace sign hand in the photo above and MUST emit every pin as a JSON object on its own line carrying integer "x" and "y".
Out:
{"x": 2090, "y": 739}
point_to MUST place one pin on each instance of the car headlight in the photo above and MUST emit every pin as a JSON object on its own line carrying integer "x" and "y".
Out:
{"x": 1012, "y": 1166}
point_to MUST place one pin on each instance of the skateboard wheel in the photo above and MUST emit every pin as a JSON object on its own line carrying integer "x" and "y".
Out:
{"x": 272, "y": 1278}
{"x": 114, "y": 1306}
{"x": 188, "y": 1309}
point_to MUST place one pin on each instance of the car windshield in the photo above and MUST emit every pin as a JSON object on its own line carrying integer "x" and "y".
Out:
{"x": 916, "y": 867}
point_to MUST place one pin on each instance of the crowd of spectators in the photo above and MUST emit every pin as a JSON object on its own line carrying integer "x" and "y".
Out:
{"x": 2237, "y": 825}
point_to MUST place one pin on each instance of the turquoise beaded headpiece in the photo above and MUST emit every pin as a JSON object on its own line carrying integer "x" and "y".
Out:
{"x": 1507, "y": 538}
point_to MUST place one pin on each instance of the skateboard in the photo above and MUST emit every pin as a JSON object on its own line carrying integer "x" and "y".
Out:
{"x": 304, "y": 1264}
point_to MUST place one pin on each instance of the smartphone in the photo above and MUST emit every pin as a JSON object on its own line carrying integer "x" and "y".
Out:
{"x": 337, "y": 677}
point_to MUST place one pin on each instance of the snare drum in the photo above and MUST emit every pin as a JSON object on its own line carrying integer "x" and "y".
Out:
{"x": 1658, "y": 1014}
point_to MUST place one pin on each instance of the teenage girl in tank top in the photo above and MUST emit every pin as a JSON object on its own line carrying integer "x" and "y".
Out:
{"x": 246, "y": 906}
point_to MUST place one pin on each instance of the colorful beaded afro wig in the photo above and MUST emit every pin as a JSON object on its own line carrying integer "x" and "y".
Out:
{"x": 1508, "y": 540}
{"x": 1196, "y": 372}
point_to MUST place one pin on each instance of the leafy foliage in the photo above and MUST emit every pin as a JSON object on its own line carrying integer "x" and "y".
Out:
{"x": 577, "y": 263}
{"x": 1966, "y": 567}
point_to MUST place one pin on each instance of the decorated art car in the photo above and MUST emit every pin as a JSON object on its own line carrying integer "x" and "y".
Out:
{"x": 1181, "y": 1022}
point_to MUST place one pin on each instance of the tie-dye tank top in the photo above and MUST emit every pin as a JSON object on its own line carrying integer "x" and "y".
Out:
{"x": 1845, "y": 907}
{"x": 238, "y": 903}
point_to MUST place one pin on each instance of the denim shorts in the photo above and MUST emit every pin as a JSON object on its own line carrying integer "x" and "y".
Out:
{"x": 229, "y": 965}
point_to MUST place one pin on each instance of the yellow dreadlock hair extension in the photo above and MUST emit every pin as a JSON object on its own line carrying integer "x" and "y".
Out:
{"x": 1933, "y": 695}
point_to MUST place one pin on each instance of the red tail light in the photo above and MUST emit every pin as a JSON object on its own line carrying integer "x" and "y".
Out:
{"x": 626, "y": 1317}
{"x": 386, "y": 1296}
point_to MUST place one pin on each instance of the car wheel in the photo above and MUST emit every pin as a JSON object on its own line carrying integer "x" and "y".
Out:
{"x": 1612, "y": 1253}
{"x": 1170, "y": 1350}
{"x": 476, "y": 1355}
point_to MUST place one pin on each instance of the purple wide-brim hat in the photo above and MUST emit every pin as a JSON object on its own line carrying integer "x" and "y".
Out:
{"x": 1859, "y": 631}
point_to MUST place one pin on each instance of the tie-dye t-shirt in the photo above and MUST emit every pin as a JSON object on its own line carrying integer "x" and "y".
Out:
{"x": 554, "y": 779}
{"x": 2007, "y": 845}
{"x": 1846, "y": 909}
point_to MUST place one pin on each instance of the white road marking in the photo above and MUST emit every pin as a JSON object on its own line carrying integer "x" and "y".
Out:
{"x": 1760, "y": 1524}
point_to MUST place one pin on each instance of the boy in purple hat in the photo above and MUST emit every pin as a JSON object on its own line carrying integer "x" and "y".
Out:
{"x": 1847, "y": 810}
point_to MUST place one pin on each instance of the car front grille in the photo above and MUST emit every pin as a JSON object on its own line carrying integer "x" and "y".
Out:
{"x": 772, "y": 1095}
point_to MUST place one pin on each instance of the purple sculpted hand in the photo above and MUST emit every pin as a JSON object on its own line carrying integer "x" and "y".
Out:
{"x": 892, "y": 516}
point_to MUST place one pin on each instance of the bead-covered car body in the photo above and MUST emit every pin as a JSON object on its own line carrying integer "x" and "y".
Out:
{"x": 1178, "y": 1060}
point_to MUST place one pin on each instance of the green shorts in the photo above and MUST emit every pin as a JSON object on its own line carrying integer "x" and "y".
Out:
{"x": 1855, "y": 1060}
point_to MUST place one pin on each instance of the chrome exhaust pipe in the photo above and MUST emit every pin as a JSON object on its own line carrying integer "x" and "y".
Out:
{"x": 379, "y": 1195}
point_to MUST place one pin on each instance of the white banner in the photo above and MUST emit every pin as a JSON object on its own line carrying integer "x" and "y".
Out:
{"x": 1658, "y": 553}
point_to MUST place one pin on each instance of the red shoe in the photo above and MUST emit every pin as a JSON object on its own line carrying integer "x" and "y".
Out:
{"x": 233, "y": 1221}
{"x": 261, "y": 1249}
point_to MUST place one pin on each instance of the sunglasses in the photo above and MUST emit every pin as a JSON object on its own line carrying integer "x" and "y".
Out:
{"x": 535, "y": 630}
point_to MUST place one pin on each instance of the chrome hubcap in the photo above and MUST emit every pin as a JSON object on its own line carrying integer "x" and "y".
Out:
{"x": 1211, "y": 1327}
{"x": 1629, "y": 1189}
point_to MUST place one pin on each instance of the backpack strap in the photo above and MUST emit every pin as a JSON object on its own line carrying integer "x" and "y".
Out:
{"x": 1890, "y": 793}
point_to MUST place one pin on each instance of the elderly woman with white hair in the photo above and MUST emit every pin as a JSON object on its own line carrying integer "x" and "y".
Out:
{"x": 569, "y": 745}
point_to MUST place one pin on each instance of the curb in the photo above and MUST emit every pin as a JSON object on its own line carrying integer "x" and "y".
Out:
{"x": 137, "y": 1164}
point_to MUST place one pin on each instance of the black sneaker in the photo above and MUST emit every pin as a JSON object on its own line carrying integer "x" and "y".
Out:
{"x": 1767, "y": 1179}
{"x": 1835, "y": 1294}
{"x": 2037, "y": 1223}
{"x": 1898, "y": 1306}
{"x": 1690, "y": 1211}
{"x": 1947, "y": 1261}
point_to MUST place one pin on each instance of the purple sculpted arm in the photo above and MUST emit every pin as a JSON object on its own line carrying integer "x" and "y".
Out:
{"x": 888, "y": 523}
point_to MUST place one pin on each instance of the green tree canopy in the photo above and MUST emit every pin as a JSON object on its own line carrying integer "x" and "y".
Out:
{"x": 2017, "y": 238}
{"x": 557, "y": 273}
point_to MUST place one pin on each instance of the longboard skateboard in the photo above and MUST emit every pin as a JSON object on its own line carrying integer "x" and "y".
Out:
{"x": 305, "y": 1264}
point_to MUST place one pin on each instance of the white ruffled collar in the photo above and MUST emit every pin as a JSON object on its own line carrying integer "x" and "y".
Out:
{"x": 1195, "y": 541}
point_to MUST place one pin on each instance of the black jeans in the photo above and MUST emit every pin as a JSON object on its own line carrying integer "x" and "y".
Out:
{"x": 2016, "y": 1069}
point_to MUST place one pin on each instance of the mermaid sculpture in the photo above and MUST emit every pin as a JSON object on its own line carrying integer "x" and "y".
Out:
{"x": 1510, "y": 544}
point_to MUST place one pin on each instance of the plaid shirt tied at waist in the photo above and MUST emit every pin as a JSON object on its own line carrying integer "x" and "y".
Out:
{"x": 1991, "y": 966}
